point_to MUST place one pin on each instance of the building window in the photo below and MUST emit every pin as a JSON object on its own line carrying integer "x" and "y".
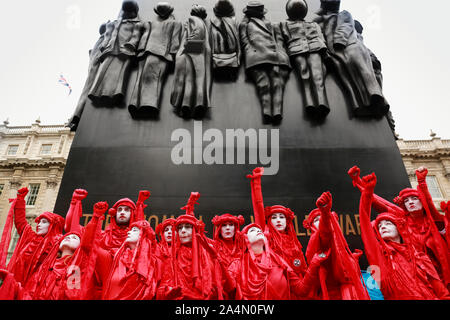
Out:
{"x": 12, "y": 246}
{"x": 12, "y": 150}
{"x": 32, "y": 194}
{"x": 46, "y": 149}
{"x": 433, "y": 187}
{"x": 1, "y": 189}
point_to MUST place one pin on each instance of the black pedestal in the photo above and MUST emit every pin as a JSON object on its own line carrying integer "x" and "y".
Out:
{"x": 114, "y": 156}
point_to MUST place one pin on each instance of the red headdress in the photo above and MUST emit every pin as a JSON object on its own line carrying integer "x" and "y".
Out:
{"x": 160, "y": 228}
{"x": 405, "y": 193}
{"x": 218, "y": 221}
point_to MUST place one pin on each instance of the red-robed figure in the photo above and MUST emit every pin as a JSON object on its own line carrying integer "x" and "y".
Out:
{"x": 278, "y": 226}
{"x": 194, "y": 273}
{"x": 340, "y": 276}
{"x": 228, "y": 240}
{"x": 134, "y": 271}
{"x": 165, "y": 232}
{"x": 261, "y": 274}
{"x": 422, "y": 219}
{"x": 404, "y": 272}
{"x": 66, "y": 273}
{"x": 32, "y": 247}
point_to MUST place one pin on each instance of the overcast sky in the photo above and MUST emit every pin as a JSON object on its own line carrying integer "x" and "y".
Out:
{"x": 53, "y": 37}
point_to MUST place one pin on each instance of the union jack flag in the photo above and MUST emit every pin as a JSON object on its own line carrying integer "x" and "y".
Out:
{"x": 64, "y": 82}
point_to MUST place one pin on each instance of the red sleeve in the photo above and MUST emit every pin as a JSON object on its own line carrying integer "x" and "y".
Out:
{"x": 379, "y": 204}
{"x": 372, "y": 247}
{"x": 90, "y": 232}
{"x": 304, "y": 287}
{"x": 20, "y": 220}
{"x": 423, "y": 188}
{"x": 258, "y": 203}
{"x": 325, "y": 231}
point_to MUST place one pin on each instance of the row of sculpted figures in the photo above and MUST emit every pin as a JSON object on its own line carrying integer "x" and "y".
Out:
{"x": 406, "y": 245}
{"x": 202, "y": 48}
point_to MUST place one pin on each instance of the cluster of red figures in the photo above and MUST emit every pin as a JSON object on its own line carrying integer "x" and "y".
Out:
{"x": 407, "y": 242}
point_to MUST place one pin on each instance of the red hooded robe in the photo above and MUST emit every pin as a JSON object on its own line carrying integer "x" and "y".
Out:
{"x": 134, "y": 273}
{"x": 405, "y": 273}
{"x": 340, "y": 276}
{"x": 31, "y": 249}
{"x": 285, "y": 244}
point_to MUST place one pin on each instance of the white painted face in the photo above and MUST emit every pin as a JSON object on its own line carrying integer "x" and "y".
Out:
{"x": 278, "y": 221}
{"x": 255, "y": 234}
{"x": 413, "y": 204}
{"x": 227, "y": 230}
{"x": 185, "y": 232}
{"x": 388, "y": 231}
{"x": 316, "y": 222}
{"x": 168, "y": 234}
{"x": 42, "y": 227}
{"x": 123, "y": 215}
{"x": 133, "y": 235}
{"x": 72, "y": 242}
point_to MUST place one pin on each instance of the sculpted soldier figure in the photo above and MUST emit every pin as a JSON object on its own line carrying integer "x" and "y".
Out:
{"x": 156, "y": 53}
{"x": 306, "y": 46}
{"x": 226, "y": 51}
{"x": 119, "y": 46}
{"x": 266, "y": 61}
{"x": 94, "y": 63}
{"x": 193, "y": 81}
{"x": 351, "y": 60}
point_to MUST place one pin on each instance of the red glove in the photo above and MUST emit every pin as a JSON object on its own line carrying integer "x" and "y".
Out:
{"x": 257, "y": 173}
{"x": 421, "y": 174}
{"x": 143, "y": 195}
{"x": 325, "y": 201}
{"x": 100, "y": 209}
{"x": 354, "y": 173}
{"x": 79, "y": 194}
{"x": 369, "y": 182}
{"x": 21, "y": 193}
{"x": 319, "y": 258}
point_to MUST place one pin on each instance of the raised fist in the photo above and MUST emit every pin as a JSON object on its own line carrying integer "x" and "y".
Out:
{"x": 354, "y": 172}
{"x": 100, "y": 208}
{"x": 257, "y": 172}
{"x": 21, "y": 193}
{"x": 421, "y": 174}
{"x": 79, "y": 194}
{"x": 369, "y": 182}
{"x": 325, "y": 201}
{"x": 143, "y": 195}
